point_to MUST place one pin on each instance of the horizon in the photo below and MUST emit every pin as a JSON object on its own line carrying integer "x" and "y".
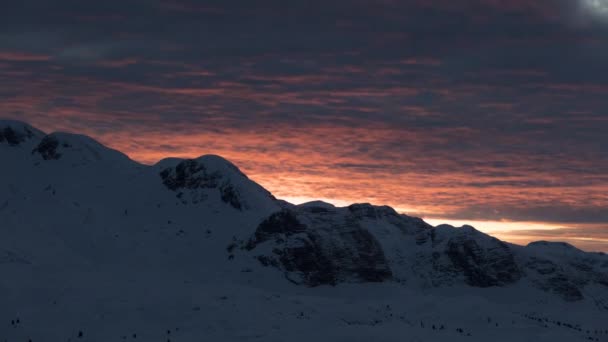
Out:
{"x": 500, "y": 229}
{"x": 482, "y": 112}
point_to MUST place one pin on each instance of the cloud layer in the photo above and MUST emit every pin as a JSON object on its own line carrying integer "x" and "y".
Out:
{"x": 479, "y": 110}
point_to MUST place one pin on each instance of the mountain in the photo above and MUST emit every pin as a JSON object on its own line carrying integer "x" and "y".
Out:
{"x": 96, "y": 247}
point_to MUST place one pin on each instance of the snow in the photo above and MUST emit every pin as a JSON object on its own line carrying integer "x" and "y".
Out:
{"x": 95, "y": 243}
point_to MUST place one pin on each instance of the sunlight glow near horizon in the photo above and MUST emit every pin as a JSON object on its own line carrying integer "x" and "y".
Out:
{"x": 517, "y": 232}
{"x": 486, "y": 226}
{"x": 496, "y": 226}
{"x": 343, "y": 186}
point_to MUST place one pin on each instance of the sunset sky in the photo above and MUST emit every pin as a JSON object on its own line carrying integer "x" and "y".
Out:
{"x": 489, "y": 112}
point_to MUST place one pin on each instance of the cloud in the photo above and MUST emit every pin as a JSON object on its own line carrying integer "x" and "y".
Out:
{"x": 22, "y": 57}
{"x": 484, "y": 109}
{"x": 587, "y": 237}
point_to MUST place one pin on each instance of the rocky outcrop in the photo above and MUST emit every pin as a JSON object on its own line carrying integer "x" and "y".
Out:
{"x": 189, "y": 174}
{"x": 193, "y": 175}
{"x": 230, "y": 195}
{"x": 447, "y": 256}
{"x": 194, "y": 180}
{"x": 319, "y": 251}
{"x": 562, "y": 269}
{"x": 15, "y": 133}
{"x": 482, "y": 266}
{"x": 48, "y": 148}
{"x": 11, "y": 137}
{"x": 549, "y": 277}
{"x": 317, "y": 245}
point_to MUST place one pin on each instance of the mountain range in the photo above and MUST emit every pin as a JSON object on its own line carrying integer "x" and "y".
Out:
{"x": 97, "y": 247}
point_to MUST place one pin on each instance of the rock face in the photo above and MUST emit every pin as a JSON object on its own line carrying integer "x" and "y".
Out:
{"x": 324, "y": 249}
{"x": 48, "y": 148}
{"x": 11, "y": 137}
{"x": 483, "y": 266}
{"x": 465, "y": 254}
{"x": 562, "y": 269}
{"x": 194, "y": 180}
{"x": 192, "y": 175}
{"x": 551, "y": 278}
{"x": 189, "y": 174}
{"x": 316, "y": 244}
{"x": 14, "y": 133}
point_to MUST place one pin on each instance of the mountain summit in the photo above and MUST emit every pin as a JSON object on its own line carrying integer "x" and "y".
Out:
{"x": 104, "y": 234}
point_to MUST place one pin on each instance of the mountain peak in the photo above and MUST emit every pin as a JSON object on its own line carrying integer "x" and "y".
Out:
{"x": 219, "y": 163}
{"x": 371, "y": 211}
{"x": 205, "y": 171}
{"x": 211, "y": 161}
{"x": 211, "y": 173}
{"x": 317, "y": 204}
{"x": 13, "y": 132}
{"x": 563, "y": 245}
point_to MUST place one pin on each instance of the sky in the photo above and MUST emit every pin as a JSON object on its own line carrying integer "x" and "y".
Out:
{"x": 488, "y": 112}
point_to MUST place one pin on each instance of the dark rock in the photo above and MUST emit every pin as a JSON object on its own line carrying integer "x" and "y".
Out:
{"x": 326, "y": 254}
{"x": 560, "y": 285}
{"x": 193, "y": 175}
{"x": 564, "y": 270}
{"x": 312, "y": 265}
{"x": 283, "y": 222}
{"x": 48, "y": 148}
{"x": 231, "y": 196}
{"x": 189, "y": 174}
{"x": 483, "y": 266}
{"x": 14, "y": 138}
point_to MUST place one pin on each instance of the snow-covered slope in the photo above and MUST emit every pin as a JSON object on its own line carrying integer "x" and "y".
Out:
{"x": 96, "y": 247}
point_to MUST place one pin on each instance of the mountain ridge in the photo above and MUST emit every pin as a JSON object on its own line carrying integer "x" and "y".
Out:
{"x": 74, "y": 205}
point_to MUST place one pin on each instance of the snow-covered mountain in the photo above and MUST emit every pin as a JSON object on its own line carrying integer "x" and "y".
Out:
{"x": 96, "y": 247}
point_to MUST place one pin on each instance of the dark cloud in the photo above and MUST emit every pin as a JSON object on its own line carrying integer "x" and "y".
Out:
{"x": 479, "y": 109}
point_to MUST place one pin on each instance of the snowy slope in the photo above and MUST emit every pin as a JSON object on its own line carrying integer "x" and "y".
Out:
{"x": 96, "y": 247}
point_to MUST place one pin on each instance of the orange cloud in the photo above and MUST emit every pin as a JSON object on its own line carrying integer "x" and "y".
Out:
{"x": 380, "y": 139}
{"x": 22, "y": 57}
